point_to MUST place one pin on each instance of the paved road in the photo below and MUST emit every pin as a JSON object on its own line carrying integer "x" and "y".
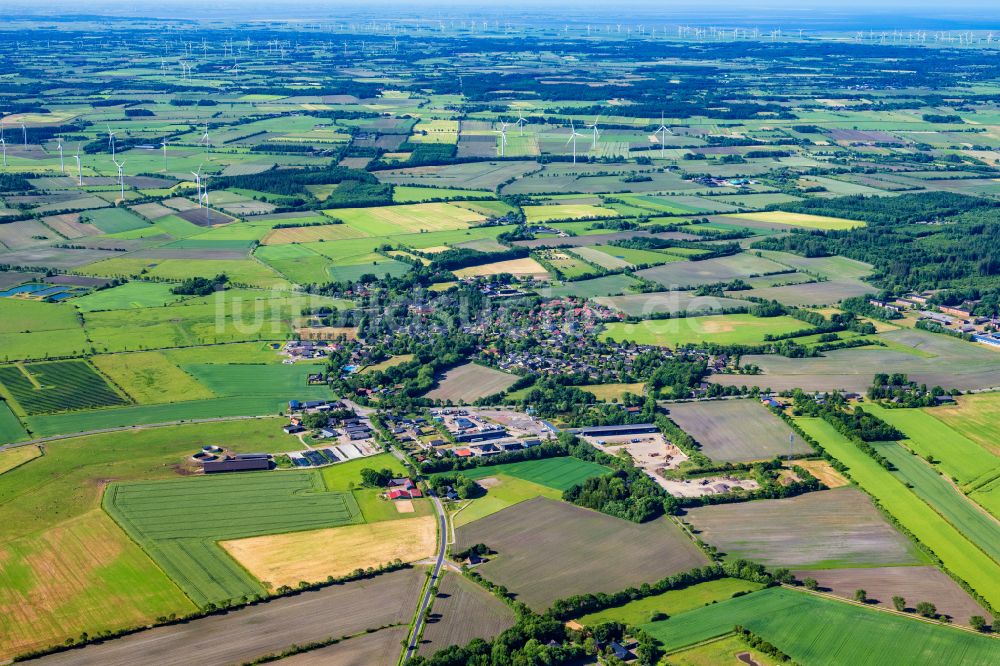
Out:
{"x": 411, "y": 647}
{"x": 54, "y": 438}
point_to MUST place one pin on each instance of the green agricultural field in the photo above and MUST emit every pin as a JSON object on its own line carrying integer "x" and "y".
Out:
{"x": 672, "y": 602}
{"x": 297, "y": 263}
{"x": 974, "y": 416}
{"x": 127, "y": 296}
{"x": 504, "y": 491}
{"x": 150, "y": 378}
{"x": 609, "y": 285}
{"x": 120, "y": 417}
{"x": 114, "y": 220}
{"x": 556, "y": 473}
{"x": 814, "y": 630}
{"x": 84, "y": 574}
{"x": 959, "y": 510}
{"x": 67, "y": 559}
{"x": 719, "y": 329}
{"x": 405, "y": 194}
{"x": 179, "y": 522}
{"x": 57, "y": 386}
{"x": 11, "y": 429}
{"x": 957, "y": 456}
{"x": 253, "y": 380}
{"x": 36, "y": 330}
{"x": 637, "y": 257}
{"x": 231, "y": 316}
{"x": 959, "y": 555}
{"x": 240, "y": 271}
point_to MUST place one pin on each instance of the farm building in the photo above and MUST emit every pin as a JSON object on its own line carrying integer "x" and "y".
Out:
{"x": 240, "y": 463}
{"x": 612, "y": 430}
{"x": 402, "y": 493}
{"x": 480, "y": 435}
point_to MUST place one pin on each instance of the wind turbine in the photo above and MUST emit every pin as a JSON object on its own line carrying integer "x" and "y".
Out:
{"x": 24, "y": 133}
{"x": 111, "y": 142}
{"x": 62, "y": 166}
{"x": 503, "y": 136}
{"x": 79, "y": 170}
{"x": 204, "y": 138}
{"x": 520, "y": 123}
{"x": 3, "y": 144}
{"x": 197, "y": 182}
{"x": 664, "y": 131}
{"x": 572, "y": 137}
{"x": 597, "y": 132}
{"x": 121, "y": 176}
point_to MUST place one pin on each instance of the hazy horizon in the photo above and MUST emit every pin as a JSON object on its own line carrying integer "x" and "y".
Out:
{"x": 818, "y": 14}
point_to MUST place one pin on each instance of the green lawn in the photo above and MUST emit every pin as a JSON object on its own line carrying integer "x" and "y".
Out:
{"x": 719, "y": 329}
{"x": 958, "y": 554}
{"x": 179, "y": 522}
{"x": 556, "y": 473}
{"x": 672, "y": 602}
{"x": 814, "y": 630}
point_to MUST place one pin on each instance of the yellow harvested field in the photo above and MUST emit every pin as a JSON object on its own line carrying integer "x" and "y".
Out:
{"x": 801, "y": 220}
{"x": 407, "y": 218}
{"x": 17, "y": 456}
{"x": 525, "y": 266}
{"x": 535, "y": 214}
{"x": 608, "y": 392}
{"x": 324, "y": 232}
{"x": 286, "y": 559}
{"x": 823, "y": 471}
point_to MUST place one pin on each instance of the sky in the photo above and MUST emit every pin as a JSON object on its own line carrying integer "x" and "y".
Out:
{"x": 842, "y": 14}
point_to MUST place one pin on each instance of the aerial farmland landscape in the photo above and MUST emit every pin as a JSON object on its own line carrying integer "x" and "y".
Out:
{"x": 441, "y": 333}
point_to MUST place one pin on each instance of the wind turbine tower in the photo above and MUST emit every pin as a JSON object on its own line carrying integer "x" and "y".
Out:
{"x": 62, "y": 166}
{"x": 664, "y": 131}
{"x": 79, "y": 169}
{"x": 503, "y": 136}
{"x": 597, "y": 132}
{"x": 572, "y": 137}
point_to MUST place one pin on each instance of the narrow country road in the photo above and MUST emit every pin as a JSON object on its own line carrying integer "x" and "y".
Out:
{"x": 411, "y": 646}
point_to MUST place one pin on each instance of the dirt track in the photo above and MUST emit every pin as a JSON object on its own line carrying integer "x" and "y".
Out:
{"x": 249, "y": 633}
